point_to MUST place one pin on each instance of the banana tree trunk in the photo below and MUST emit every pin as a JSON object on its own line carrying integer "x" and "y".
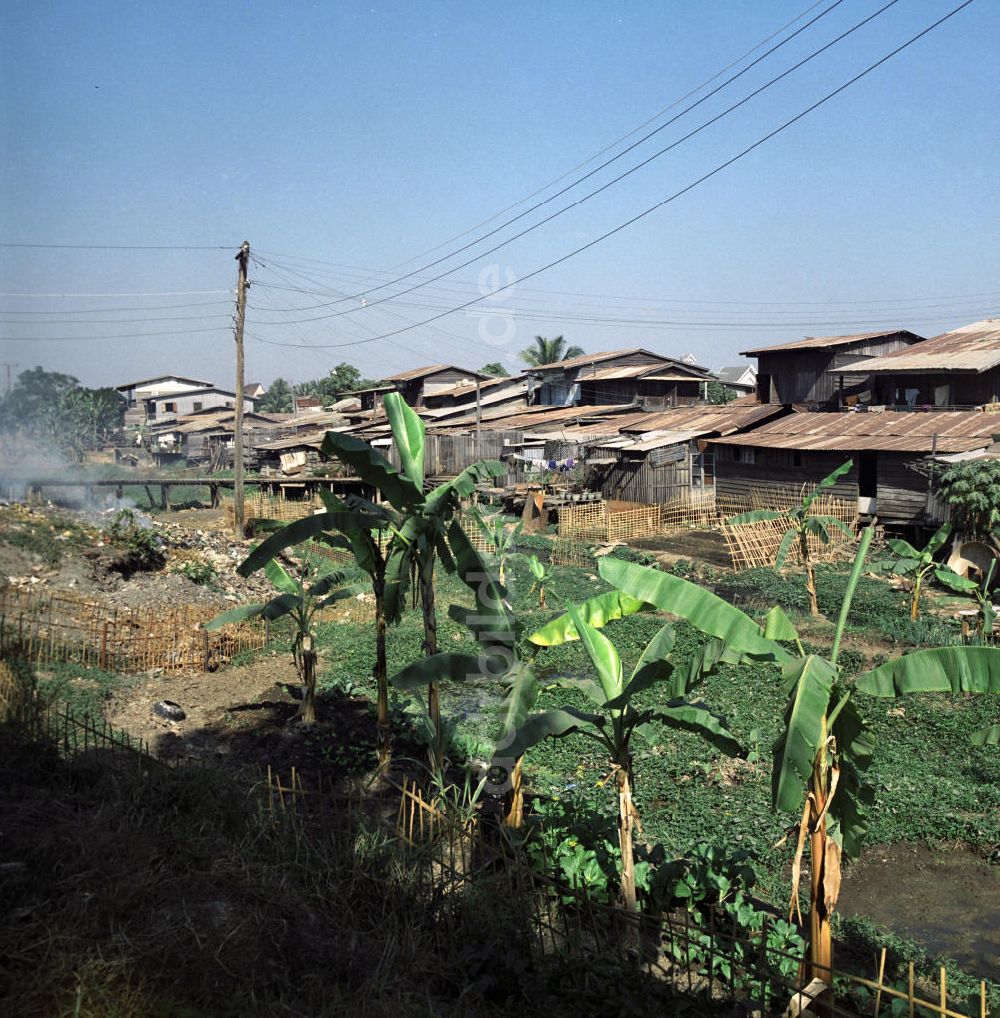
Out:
{"x": 515, "y": 815}
{"x": 810, "y": 572}
{"x": 307, "y": 712}
{"x": 626, "y": 820}
{"x": 824, "y": 860}
{"x": 381, "y": 675}
{"x": 430, "y": 649}
{"x": 915, "y": 599}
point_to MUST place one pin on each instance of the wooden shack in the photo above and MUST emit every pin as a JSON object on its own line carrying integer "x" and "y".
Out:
{"x": 664, "y": 457}
{"x": 892, "y": 452}
{"x": 621, "y": 376}
{"x": 960, "y": 368}
{"x": 821, "y": 371}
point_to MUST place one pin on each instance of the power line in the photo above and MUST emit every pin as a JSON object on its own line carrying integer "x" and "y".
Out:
{"x": 615, "y": 180}
{"x": 123, "y": 335}
{"x": 102, "y": 311}
{"x": 123, "y": 247}
{"x": 603, "y": 298}
{"x": 81, "y": 296}
{"x": 610, "y": 145}
{"x": 677, "y": 194}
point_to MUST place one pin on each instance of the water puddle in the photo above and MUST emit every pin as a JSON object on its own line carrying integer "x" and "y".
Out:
{"x": 948, "y": 900}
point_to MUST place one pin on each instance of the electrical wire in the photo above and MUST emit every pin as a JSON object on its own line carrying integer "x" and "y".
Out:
{"x": 125, "y": 247}
{"x": 611, "y": 183}
{"x": 677, "y": 194}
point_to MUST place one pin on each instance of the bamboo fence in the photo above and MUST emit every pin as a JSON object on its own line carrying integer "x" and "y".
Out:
{"x": 755, "y": 545}
{"x": 454, "y": 850}
{"x": 60, "y": 627}
{"x": 609, "y": 520}
{"x": 262, "y": 505}
{"x": 674, "y": 947}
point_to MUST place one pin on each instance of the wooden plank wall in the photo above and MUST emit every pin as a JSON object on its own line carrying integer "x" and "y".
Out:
{"x": 902, "y": 489}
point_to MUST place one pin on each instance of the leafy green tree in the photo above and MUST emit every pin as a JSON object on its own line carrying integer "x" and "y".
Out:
{"x": 549, "y": 351}
{"x": 343, "y": 378}
{"x": 53, "y": 408}
{"x": 719, "y": 393}
{"x": 496, "y": 369}
{"x": 972, "y": 489}
{"x": 277, "y": 399}
{"x": 801, "y": 524}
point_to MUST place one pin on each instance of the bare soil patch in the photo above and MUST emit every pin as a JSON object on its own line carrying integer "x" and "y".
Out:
{"x": 244, "y": 716}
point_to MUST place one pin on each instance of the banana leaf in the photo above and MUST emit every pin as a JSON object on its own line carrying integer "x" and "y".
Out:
{"x": 408, "y": 434}
{"x": 938, "y": 670}
{"x": 783, "y": 549}
{"x": 778, "y": 626}
{"x": 849, "y": 810}
{"x": 596, "y": 611}
{"x": 705, "y": 611}
{"x": 556, "y": 724}
{"x": 810, "y": 682}
{"x": 754, "y": 516}
{"x": 699, "y": 720}
{"x": 438, "y": 668}
{"x": 828, "y": 482}
{"x": 492, "y": 619}
{"x": 299, "y": 531}
{"x": 522, "y": 693}
{"x": 280, "y": 578}
{"x": 950, "y": 579}
{"x": 276, "y": 608}
{"x": 652, "y": 667}
{"x": 602, "y": 654}
{"x": 373, "y": 468}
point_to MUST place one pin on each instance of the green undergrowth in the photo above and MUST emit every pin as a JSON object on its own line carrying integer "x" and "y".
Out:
{"x": 877, "y": 609}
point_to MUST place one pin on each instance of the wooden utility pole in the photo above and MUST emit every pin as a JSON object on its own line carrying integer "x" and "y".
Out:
{"x": 243, "y": 258}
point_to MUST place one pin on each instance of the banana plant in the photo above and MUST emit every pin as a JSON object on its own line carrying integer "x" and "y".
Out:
{"x": 301, "y": 597}
{"x": 357, "y": 526}
{"x": 496, "y": 630}
{"x": 542, "y": 575}
{"x": 920, "y": 564}
{"x": 501, "y": 536}
{"x": 801, "y": 523}
{"x": 419, "y": 537}
{"x": 826, "y": 747}
{"x": 616, "y": 720}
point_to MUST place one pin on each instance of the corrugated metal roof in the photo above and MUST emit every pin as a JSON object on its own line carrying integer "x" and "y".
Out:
{"x": 955, "y": 431}
{"x": 974, "y": 347}
{"x": 430, "y": 369}
{"x": 821, "y": 342}
{"x": 705, "y": 420}
{"x": 606, "y": 355}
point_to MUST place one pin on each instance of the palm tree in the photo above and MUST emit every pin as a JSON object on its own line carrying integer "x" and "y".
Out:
{"x": 549, "y": 351}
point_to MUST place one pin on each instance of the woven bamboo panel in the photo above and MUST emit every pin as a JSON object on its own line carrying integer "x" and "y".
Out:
{"x": 755, "y": 545}
{"x": 569, "y": 552}
{"x": 609, "y": 521}
{"x": 60, "y": 627}
{"x": 587, "y": 520}
{"x": 262, "y": 505}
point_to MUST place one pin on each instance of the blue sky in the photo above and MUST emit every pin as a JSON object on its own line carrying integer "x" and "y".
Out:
{"x": 345, "y": 139}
